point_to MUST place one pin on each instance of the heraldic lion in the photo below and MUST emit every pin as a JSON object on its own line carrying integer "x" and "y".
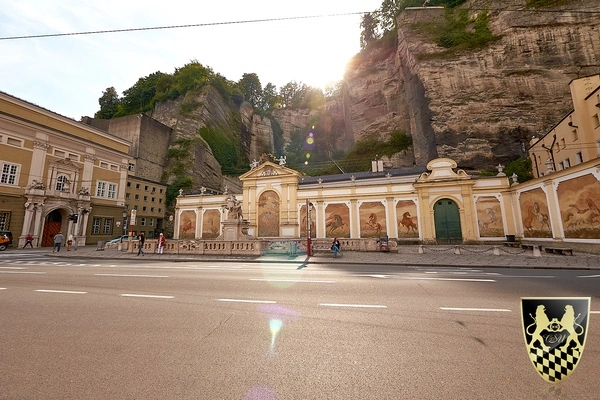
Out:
{"x": 568, "y": 322}
{"x": 541, "y": 323}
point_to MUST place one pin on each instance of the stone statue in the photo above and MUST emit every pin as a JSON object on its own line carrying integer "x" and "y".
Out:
{"x": 254, "y": 164}
{"x": 282, "y": 160}
{"x": 234, "y": 207}
{"x": 35, "y": 184}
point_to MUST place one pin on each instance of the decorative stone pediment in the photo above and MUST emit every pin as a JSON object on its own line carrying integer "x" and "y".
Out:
{"x": 269, "y": 170}
{"x": 442, "y": 169}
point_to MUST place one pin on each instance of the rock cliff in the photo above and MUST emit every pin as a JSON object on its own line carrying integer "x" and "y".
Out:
{"x": 477, "y": 107}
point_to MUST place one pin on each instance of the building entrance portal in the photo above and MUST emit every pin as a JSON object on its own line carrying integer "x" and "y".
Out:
{"x": 52, "y": 225}
{"x": 447, "y": 222}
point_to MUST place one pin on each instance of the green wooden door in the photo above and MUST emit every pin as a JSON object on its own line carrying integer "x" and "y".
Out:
{"x": 447, "y": 222}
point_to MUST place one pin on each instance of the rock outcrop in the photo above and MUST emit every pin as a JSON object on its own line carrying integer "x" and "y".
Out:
{"x": 477, "y": 107}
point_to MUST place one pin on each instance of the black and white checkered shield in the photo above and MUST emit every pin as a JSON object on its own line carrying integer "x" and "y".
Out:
{"x": 555, "y": 329}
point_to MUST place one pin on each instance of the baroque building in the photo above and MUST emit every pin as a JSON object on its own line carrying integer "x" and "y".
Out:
{"x": 59, "y": 175}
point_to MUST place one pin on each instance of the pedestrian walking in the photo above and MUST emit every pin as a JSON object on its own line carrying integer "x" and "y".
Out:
{"x": 161, "y": 243}
{"x": 58, "y": 239}
{"x": 28, "y": 241}
{"x": 141, "y": 240}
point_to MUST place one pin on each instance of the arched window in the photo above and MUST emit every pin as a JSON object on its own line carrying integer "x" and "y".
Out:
{"x": 62, "y": 182}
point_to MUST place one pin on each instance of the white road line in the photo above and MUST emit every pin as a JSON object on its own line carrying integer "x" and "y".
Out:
{"x": 2, "y": 288}
{"x": 353, "y": 305}
{"x": 594, "y": 312}
{"x": 290, "y": 280}
{"x": 151, "y": 296}
{"x": 134, "y": 276}
{"x": 474, "y": 309}
{"x": 249, "y": 301}
{"x": 21, "y": 272}
{"x": 58, "y": 291}
{"x": 589, "y": 276}
{"x": 450, "y": 279}
{"x": 12, "y": 267}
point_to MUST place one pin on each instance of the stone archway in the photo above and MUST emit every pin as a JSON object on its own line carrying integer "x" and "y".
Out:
{"x": 52, "y": 225}
{"x": 447, "y": 222}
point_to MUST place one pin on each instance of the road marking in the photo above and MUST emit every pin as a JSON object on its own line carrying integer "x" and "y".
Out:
{"x": 134, "y": 276}
{"x": 449, "y": 279}
{"x": 12, "y": 267}
{"x": 374, "y": 275}
{"x": 594, "y": 312}
{"x": 249, "y": 301}
{"x": 475, "y": 309}
{"x": 21, "y": 272}
{"x": 2, "y": 288}
{"x": 589, "y": 276}
{"x": 58, "y": 291}
{"x": 353, "y": 305}
{"x": 290, "y": 280}
{"x": 151, "y": 296}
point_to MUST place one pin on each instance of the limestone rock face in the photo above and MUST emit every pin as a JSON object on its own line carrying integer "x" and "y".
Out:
{"x": 186, "y": 116}
{"x": 478, "y": 107}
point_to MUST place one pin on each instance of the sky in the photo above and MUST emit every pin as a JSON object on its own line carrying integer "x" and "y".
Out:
{"x": 67, "y": 74}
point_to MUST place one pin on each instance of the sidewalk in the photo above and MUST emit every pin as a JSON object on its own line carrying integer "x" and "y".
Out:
{"x": 470, "y": 256}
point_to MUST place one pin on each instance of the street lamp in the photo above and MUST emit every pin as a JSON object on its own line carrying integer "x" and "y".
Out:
{"x": 125, "y": 212}
{"x": 309, "y": 207}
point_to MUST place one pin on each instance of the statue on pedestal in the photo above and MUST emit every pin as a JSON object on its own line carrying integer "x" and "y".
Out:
{"x": 234, "y": 207}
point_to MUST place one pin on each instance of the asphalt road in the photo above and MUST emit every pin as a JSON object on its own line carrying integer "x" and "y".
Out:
{"x": 139, "y": 329}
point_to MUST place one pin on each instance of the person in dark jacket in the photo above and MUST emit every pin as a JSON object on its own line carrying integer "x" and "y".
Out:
{"x": 141, "y": 240}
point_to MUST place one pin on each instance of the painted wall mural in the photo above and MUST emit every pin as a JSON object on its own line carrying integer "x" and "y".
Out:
{"x": 489, "y": 217}
{"x": 535, "y": 216}
{"x": 337, "y": 221}
{"x": 268, "y": 214}
{"x": 187, "y": 226}
{"x": 408, "y": 226}
{"x": 303, "y": 222}
{"x": 211, "y": 226}
{"x": 578, "y": 200}
{"x": 372, "y": 220}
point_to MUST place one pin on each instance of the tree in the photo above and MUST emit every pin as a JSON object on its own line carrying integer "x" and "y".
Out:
{"x": 109, "y": 104}
{"x": 368, "y": 33}
{"x": 191, "y": 76}
{"x": 270, "y": 98}
{"x": 292, "y": 94}
{"x": 251, "y": 88}
{"x": 141, "y": 96}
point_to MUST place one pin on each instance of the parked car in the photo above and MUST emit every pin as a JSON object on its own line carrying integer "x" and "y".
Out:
{"x": 5, "y": 239}
{"x": 118, "y": 239}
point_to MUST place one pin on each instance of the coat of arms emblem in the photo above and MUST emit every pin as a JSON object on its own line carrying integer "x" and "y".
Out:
{"x": 555, "y": 330}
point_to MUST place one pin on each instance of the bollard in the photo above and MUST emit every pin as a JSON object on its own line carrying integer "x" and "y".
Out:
{"x": 496, "y": 251}
{"x": 456, "y": 250}
{"x": 421, "y": 250}
{"x": 536, "y": 251}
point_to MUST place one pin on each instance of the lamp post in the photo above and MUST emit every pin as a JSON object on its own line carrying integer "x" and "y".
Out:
{"x": 309, "y": 206}
{"x": 125, "y": 213}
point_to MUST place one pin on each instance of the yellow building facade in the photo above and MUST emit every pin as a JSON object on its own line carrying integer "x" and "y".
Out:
{"x": 575, "y": 139}
{"x": 58, "y": 175}
{"x": 442, "y": 205}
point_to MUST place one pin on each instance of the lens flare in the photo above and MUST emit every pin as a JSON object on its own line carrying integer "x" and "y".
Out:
{"x": 260, "y": 394}
{"x": 277, "y": 316}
